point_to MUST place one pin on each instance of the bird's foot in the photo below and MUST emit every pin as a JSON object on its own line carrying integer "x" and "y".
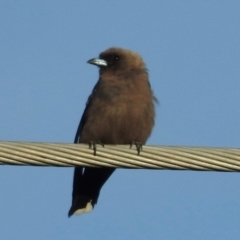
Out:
{"x": 138, "y": 146}
{"x": 93, "y": 145}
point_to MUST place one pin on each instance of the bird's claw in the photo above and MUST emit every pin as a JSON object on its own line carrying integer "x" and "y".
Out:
{"x": 93, "y": 145}
{"x": 138, "y": 146}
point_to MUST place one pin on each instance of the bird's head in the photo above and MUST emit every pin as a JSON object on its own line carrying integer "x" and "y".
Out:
{"x": 118, "y": 60}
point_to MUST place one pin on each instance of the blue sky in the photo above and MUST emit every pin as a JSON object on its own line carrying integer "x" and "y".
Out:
{"x": 192, "y": 51}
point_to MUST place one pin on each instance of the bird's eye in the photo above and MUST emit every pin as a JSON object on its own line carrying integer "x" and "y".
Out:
{"x": 116, "y": 58}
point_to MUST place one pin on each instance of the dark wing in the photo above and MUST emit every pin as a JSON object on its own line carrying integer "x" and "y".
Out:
{"x": 84, "y": 116}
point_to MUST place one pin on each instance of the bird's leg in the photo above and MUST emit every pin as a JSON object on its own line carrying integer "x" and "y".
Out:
{"x": 138, "y": 146}
{"x": 93, "y": 145}
{"x": 99, "y": 142}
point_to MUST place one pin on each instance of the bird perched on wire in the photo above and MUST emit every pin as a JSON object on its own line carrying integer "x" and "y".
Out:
{"x": 120, "y": 110}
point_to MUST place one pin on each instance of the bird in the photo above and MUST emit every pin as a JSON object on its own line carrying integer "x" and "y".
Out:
{"x": 120, "y": 110}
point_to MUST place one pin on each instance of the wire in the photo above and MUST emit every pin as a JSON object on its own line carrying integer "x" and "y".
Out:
{"x": 120, "y": 156}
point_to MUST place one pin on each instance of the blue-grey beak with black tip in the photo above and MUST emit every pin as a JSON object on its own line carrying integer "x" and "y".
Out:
{"x": 98, "y": 62}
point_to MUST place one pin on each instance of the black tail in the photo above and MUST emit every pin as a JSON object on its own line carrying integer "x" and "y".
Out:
{"x": 87, "y": 183}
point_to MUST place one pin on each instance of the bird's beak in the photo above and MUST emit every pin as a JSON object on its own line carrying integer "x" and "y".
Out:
{"x": 98, "y": 62}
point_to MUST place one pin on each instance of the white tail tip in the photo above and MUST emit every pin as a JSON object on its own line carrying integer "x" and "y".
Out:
{"x": 87, "y": 209}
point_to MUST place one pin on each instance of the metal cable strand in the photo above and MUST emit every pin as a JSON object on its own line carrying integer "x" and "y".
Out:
{"x": 121, "y": 156}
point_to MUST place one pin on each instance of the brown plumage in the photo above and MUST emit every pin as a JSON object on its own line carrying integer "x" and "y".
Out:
{"x": 120, "y": 110}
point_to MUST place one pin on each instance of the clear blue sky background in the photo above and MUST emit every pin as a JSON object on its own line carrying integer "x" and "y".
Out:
{"x": 192, "y": 50}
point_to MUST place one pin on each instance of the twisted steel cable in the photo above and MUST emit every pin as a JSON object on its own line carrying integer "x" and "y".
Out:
{"x": 120, "y": 156}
